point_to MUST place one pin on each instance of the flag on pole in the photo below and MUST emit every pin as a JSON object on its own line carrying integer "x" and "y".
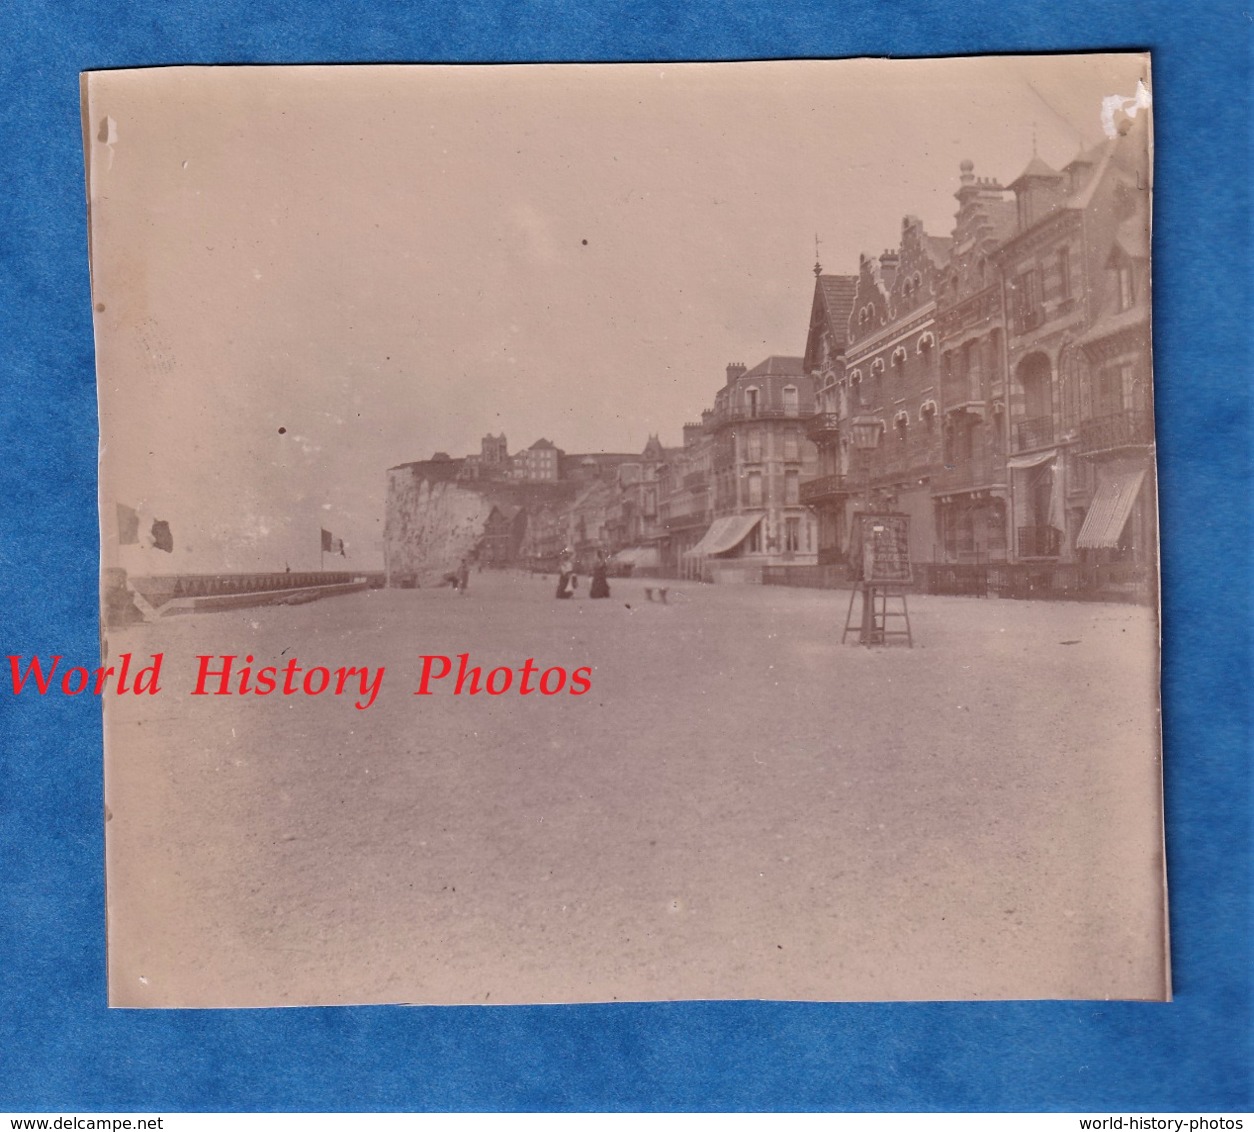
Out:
{"x": 162, "y": 539}
{"x": 128, "y": 525}
{"x": 326, "y": 540}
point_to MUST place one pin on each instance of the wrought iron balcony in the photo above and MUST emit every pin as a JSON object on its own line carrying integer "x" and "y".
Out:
{"x": 826, "y": 489}
{"x": 1035, "y": 432}
{"x": 734, "y": 416}
{"x": 981, "y": 471}
{"x": 1028, "y": 318}
{"x": 1131, "y": 429}
{"x": 823, "y": 426}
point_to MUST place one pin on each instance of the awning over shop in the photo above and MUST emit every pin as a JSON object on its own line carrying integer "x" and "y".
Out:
{"x": 1032, "y": 460}
{"x": 645, "y": 557}
{"x": 724, "y": 534}
{"x": 1109, "y": 511}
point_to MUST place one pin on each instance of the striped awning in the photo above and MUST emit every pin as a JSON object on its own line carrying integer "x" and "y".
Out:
{"x": 724, "y": 534}
{"x": 1109, "y": 511}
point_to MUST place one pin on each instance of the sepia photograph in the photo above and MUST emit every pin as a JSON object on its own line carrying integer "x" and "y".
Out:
{"x": 627, "y": 532}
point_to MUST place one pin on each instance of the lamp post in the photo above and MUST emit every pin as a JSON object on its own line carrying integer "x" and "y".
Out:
{"x": 866, "y": 432}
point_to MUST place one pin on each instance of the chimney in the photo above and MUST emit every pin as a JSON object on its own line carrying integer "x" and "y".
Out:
{"x": 735, "y": 370}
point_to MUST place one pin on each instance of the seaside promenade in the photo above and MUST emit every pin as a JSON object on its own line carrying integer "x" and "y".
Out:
{"x": 737, "y": 807}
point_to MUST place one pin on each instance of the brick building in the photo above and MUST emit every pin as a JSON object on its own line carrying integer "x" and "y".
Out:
{"x": 892, "y": 374}
{"x": 1076, "y": 285}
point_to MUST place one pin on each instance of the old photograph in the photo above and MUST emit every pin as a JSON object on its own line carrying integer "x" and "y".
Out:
{"x": 591, "y": 533}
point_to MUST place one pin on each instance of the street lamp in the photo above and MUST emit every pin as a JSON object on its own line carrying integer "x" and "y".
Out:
{"x": 866, "y": 432}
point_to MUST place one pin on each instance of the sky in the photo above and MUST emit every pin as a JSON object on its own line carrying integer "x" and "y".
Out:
{"x": 305, "y": 276}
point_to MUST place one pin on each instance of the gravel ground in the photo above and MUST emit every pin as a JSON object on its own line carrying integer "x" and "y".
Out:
{"x": 740, "y": 807}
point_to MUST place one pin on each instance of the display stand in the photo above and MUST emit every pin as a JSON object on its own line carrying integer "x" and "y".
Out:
{"x": 881, "y": 550}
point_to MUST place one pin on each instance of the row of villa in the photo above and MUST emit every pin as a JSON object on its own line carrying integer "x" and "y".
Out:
{"x": 993, "y": 384}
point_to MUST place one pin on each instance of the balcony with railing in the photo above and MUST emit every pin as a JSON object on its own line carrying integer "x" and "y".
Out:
{"x": 1110, "y": 433}
{"x": 1035, "y": 432}
{"x": 1039, "y": 542}
{"x": 823, "y": 426}
{"x": 826, "y": 489}
{"x": 1028, "y": 318}
{"x": 682, "y": 512}
{"x": 736, "y": 415}
{"x": 983, "y": 470}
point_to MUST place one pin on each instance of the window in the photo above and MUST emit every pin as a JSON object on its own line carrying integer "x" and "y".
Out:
{"x": 753, "y": 446}
{"x": 1026, "y": 307}
{"x": 792, "y": 533}
{"x": 791, "y": 403}
{"x": 751, "y": 400}
{"x": 898, "y": 362}
{"x": 792, "y": 490}
{"x": 755, "y": 490}
{"x": 1127, "y": 294}
{"x": 1064, "y": 273}
{"x": 1113, "y": 391}
{"x": 792, "y": 445}
{"x": 971, "y": 363}
{"x": 753, "y": 543}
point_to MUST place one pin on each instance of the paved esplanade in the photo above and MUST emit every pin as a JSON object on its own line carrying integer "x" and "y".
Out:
{"x": 738, "y": 807}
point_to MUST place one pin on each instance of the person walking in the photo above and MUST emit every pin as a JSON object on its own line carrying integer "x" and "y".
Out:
{"x": 600, "y": 577}
{"x": 567, "y": 581}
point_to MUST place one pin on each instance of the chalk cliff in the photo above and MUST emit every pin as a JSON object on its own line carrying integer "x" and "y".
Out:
{"x": 429, "y": 526}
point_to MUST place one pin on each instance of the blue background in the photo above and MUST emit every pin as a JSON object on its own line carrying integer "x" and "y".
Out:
{"x": 60, "y": 1048}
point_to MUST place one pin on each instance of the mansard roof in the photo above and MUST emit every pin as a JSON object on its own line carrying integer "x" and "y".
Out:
{"x": 778, "y": 365}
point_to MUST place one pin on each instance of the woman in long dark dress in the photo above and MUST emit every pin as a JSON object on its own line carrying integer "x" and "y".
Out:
{"x": 566, "y": 580}
{"x": 600, "y": 584}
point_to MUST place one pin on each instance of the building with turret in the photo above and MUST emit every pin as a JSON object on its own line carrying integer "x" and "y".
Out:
{"x": 971, "y": 487}
{"x": 1075, "y": 274}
